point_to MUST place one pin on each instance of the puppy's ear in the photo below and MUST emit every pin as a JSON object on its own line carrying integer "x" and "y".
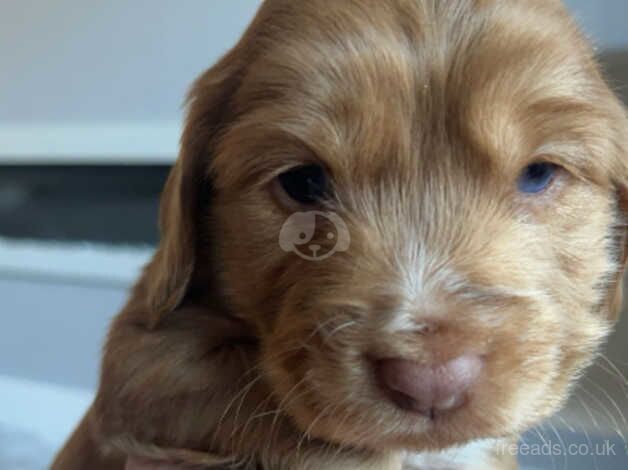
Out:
{"x": 615, "y": 298}
{"x": 167, "y": 276}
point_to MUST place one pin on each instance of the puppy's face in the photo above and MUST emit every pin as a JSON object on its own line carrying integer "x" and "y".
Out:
{"x": 473, "y": 153}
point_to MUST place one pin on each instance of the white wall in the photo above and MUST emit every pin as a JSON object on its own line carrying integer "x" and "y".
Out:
{"x": 606, "y": 21}
{"x": 109, "y": 60}
{"x": 103, "y": 79}
{"x": 106, "y": 78}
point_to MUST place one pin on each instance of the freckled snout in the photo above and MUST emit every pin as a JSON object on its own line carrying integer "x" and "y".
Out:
{"x": 429, "y": 389}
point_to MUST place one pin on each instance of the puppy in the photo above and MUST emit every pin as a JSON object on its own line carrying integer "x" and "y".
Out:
{"x": 477, "y": 161}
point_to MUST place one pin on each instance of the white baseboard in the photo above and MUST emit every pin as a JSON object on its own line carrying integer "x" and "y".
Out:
{"x": 95, "y": 143}
{"x": 80, "y": 261}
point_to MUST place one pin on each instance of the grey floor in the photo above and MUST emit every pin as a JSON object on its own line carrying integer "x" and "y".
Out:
{"x": 52, "y": 335}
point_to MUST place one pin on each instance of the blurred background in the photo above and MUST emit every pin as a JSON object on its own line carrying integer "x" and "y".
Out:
{"x": 90, "y": 116}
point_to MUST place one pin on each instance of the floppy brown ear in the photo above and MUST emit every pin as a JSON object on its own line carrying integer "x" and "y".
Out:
{"x": 615, "y": 298}
{"x": 620, "y": 177}
{"x": 166, "y": 277}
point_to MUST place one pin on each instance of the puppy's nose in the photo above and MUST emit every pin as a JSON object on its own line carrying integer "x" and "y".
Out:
{"x": 429, "y": 389}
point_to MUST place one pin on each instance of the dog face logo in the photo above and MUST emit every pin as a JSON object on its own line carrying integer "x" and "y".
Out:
{"x": 314, "y": 235}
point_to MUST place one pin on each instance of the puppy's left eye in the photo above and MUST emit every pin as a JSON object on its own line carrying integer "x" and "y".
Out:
{"x": 537, "y": 177}
{"x": 305, "y": 184}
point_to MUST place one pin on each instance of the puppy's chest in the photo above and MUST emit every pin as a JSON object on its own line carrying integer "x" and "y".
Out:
{"x": 487, "y": 454}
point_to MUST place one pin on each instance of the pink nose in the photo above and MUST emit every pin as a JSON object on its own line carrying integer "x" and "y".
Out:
{"x": 429, "y": 389}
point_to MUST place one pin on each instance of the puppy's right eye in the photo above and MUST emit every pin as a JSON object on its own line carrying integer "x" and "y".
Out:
{"x": 537, "y": 177}
{"x": 305, "y": 184}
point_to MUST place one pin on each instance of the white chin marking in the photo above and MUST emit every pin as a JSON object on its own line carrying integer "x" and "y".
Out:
{"x": 473, "y": 456}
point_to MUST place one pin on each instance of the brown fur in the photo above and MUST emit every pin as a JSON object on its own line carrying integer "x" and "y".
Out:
{"x": 424, "y": 112}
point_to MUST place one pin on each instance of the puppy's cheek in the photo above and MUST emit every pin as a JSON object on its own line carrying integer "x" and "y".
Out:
{"x": 253, "y": 267}
{"x": 313, "y": 379}
{"x": 584, "y": 264}
{"x": 286, "y": 357}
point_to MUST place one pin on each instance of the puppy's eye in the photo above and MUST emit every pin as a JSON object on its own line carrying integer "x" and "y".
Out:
{"x": 305, "y": 184}
{"x": 537, "y": 177}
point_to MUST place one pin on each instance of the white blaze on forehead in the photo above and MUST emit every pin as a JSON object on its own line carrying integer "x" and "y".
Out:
{"x": 424, "y": 280}
{"x": 428, "y": 285}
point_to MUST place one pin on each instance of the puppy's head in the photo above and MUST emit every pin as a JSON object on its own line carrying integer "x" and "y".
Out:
{"x": 472, "y": 159}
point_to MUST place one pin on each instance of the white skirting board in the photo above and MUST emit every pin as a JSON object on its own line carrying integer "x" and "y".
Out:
{"x": 78, "y": 261}
{"x": 106, "y": 143}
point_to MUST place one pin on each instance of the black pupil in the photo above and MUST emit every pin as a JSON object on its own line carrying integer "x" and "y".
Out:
{"x": 305, "y": 184}
{"x": 539, "y": 172}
